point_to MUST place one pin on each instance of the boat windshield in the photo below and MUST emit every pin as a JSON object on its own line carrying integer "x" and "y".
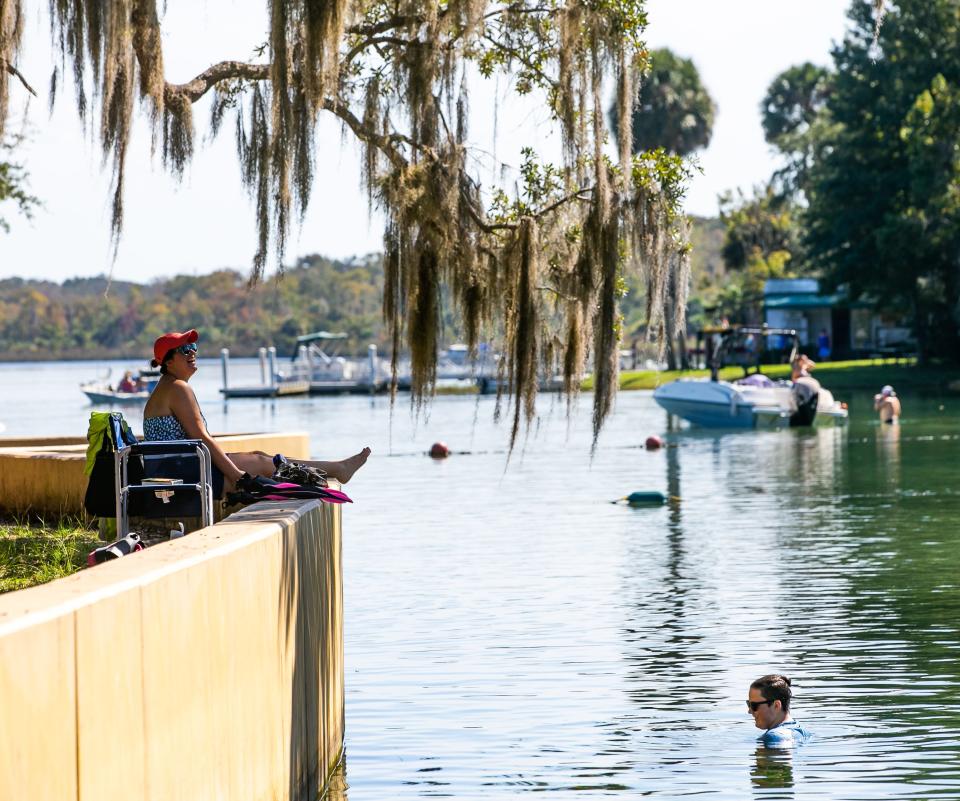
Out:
{"x": 748, "y": 347}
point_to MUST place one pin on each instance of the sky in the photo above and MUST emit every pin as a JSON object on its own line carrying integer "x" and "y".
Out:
{"x": 206, "y": 222}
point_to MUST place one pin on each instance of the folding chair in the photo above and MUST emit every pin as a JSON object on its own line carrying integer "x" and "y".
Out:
{"x": 177, "y": 481}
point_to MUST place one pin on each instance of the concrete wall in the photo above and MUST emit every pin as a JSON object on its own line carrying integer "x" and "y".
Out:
{"x": 45, "y": 475}
{"x": 209, "y": 667}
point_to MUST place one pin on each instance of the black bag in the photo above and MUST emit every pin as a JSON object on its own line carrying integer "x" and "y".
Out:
{"x": 115, "y": 550}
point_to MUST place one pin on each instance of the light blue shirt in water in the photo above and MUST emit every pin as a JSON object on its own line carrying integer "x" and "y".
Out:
{"x": 786, "y": 735}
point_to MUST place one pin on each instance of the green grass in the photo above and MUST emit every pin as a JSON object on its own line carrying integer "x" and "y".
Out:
{"x": 464, "y": 389}
{"x": 33, "y": 554}
{"x": 860, "y": 374}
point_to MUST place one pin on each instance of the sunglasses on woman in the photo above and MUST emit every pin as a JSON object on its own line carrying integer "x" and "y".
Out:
{"x": 753, "y": 706}
{"x": 186, "y": 350}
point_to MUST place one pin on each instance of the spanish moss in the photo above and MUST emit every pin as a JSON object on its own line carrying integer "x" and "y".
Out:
{"x": 523, "y": 322}
{"x": 532, "y": 262}
{"x": 879, "y": 12}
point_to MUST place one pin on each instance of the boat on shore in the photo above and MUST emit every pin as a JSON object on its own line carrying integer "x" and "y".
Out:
{"x": 459, "y": 371}
{"x": 317, "y": 364}
{"x": 755, "y": 400}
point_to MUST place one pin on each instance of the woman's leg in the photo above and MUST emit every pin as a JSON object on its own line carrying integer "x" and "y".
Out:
{"x": 258, "y": 463}
{"x": 343, "y": 469}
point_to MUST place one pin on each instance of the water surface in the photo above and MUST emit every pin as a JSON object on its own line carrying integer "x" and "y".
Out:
{"x": 510, "y": 631}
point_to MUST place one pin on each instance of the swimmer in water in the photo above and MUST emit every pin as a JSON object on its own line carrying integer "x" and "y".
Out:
{"x": 768, "y": 703}
{"x": 888, "y": 405}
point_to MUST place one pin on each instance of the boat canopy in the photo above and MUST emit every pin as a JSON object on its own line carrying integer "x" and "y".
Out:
{"x": 309, "y": 342}
{"x": 306, "y": 339}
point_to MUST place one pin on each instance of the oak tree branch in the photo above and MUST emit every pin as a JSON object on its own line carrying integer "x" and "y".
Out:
{"x": 17, "y": 74}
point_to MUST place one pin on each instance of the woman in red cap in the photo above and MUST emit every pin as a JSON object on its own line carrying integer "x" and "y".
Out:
{"x": 172, "y": 412}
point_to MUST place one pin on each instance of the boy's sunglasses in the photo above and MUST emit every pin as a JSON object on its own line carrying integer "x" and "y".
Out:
{"x": 186, "y": 350}
{"x": 753, "y": 706}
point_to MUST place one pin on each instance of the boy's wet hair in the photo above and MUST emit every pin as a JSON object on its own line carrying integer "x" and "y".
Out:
{"x": 774, "y": 687}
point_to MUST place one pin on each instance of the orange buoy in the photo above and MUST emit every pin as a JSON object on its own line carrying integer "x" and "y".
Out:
{"x": 439, "y": 450}
{"x": 653, "y": 443}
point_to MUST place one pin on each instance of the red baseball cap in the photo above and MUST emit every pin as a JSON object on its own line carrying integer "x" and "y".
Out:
{"x": 173, "y": 340}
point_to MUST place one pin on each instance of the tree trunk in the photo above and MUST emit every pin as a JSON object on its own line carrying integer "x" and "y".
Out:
{"x": 952, "y": 300}
{"x": 668, "y": 322}
{"x": 920, "y": 326}
{"x": 682, "y": 350}
{"x": 668, "y": 332}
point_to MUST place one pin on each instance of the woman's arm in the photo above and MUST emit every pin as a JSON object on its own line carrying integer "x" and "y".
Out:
{"x": 183, "y": 404}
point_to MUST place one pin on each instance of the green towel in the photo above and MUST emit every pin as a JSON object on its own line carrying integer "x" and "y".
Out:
{"x": 99, "y": 428}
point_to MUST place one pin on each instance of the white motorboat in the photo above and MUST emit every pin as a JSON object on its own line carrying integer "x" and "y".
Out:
{"x": 725, "y": 404}
{"x": 326, "y": 372}
{"x": 751, "y": 401}
{"x": 103, "y": 392}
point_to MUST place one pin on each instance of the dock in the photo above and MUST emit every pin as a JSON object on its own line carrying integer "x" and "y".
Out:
{"x": 268, "y": 391}
{"x": 346, "y": 387}
{"x": 270, "y": 386}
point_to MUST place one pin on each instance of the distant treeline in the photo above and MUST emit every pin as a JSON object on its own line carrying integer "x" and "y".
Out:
{"x": 94, "y": 318}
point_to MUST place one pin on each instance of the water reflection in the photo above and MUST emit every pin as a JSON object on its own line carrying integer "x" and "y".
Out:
{"x": 772, "y": 769}
{"x": 674, "y": 492}
{"x": 888, "y": 454}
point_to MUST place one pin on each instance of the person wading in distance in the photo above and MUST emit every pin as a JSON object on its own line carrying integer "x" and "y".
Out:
{"x": 887, "y": 404}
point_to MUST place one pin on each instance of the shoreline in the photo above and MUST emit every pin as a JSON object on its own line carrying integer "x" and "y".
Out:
{"x": 867, "y": 374}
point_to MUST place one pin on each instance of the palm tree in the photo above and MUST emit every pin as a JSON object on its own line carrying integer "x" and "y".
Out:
{"x": 673, "y": 110}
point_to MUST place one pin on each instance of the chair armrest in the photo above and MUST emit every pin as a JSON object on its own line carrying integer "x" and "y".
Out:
{"x": 166, "y": 446}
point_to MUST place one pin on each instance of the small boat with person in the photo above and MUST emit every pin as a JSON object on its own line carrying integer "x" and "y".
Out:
{"x": 754, "y": 399}
{"x": 134, "y": 387}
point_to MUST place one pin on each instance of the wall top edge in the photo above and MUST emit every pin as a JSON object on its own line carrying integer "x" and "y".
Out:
{"x": 36, "y": 605}
{"x": 78, "y": 445}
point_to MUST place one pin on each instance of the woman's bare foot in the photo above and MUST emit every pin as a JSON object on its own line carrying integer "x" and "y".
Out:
{"x": 343, "y": 470}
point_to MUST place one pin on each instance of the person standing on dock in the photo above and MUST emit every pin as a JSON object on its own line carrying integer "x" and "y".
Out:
{"x": 768, "y": 702}
{"x": 888, "y": 405}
